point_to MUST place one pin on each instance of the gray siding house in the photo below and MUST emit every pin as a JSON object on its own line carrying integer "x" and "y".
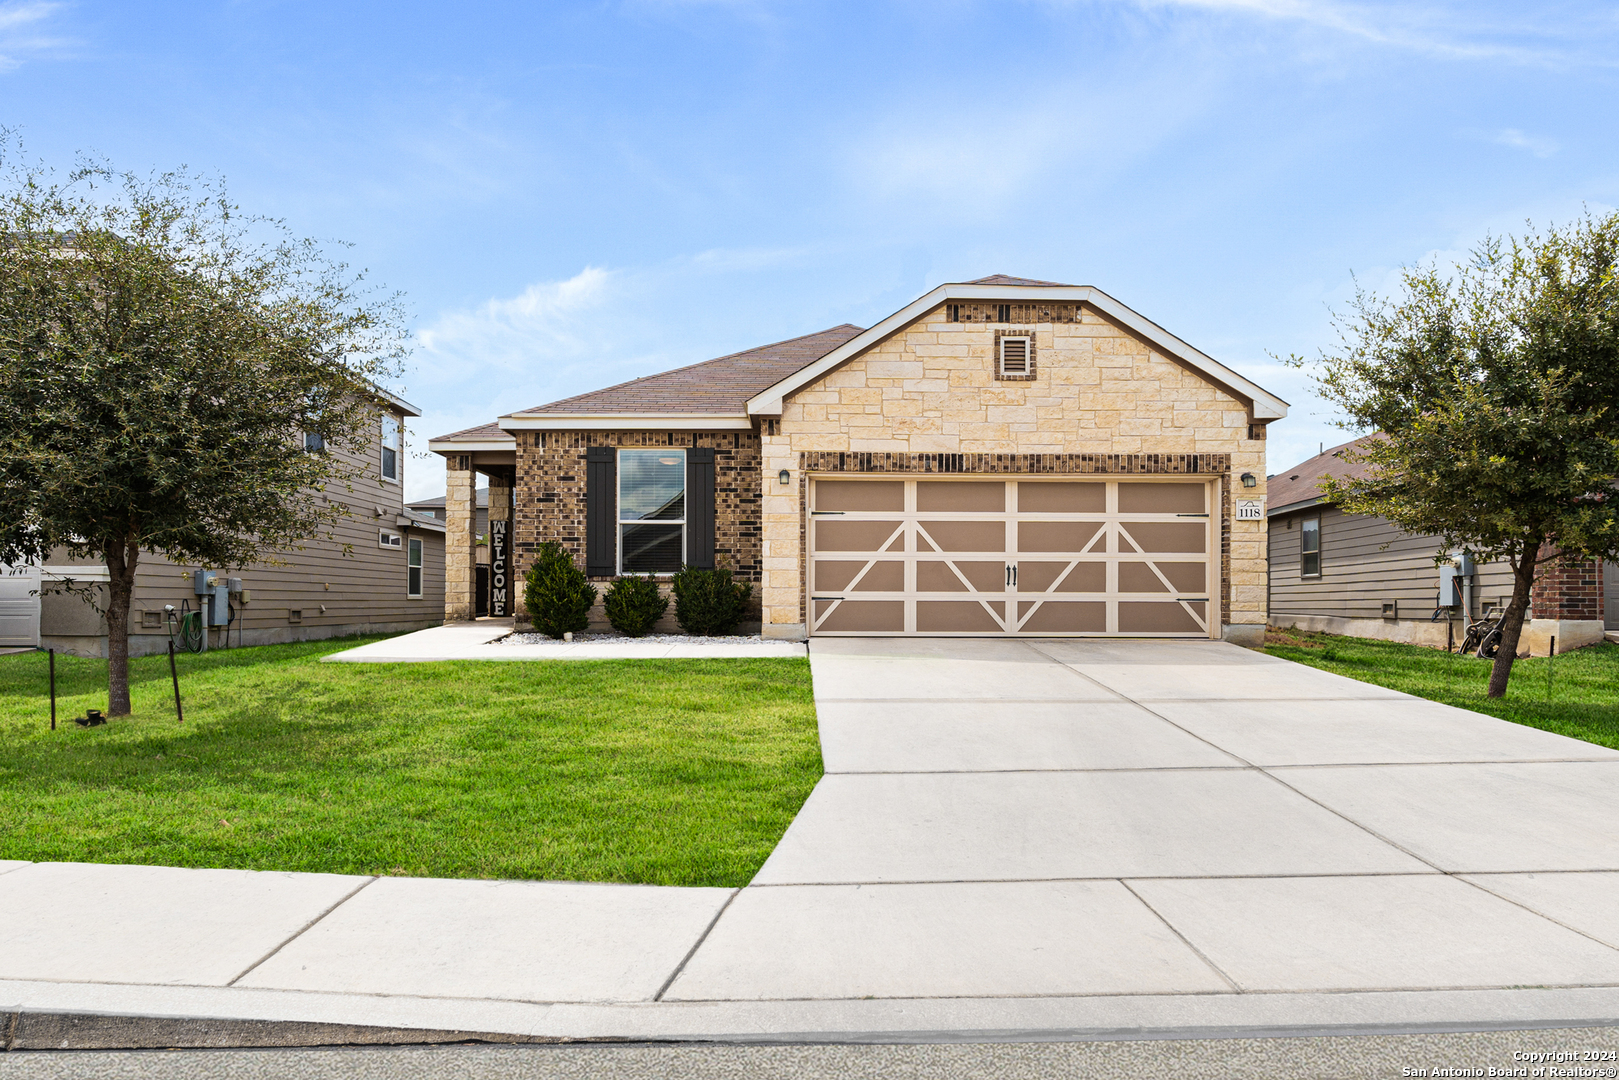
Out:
{"x": 1350, "y": 574}
{"x": 381, "y": 572}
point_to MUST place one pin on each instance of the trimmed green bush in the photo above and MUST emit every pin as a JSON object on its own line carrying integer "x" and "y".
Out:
{"x": 633, "y": 604}
{"x": 708, "y": 602}
{"x": 558, "y": 594}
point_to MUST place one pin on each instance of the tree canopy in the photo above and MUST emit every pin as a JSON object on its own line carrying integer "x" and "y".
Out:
{"x": 1493, "y": 388}
{"x": 161, "y": 357}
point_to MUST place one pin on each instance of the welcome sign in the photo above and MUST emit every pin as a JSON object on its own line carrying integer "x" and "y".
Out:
{"x": 498, "y": 591}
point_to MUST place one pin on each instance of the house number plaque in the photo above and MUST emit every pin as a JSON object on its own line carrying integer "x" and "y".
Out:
{"x": 1250, "y": 510}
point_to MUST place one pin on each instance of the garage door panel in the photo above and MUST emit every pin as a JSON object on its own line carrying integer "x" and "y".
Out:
{"x": 853, "y": 535}
{"x": 938, "y": 576}
{"x": 966, "y": 535}
{"x": 1177, "y": 537}
{"x": 1063, "y": 617}
{"x": 959, "y": 616}
{"x": 1061, "y": 497}
{"x": 1043, "y": 536}
{"x": 860, "y": 616}
{"x": 1148, "y": 617}
{"x": 1025, "y": 556}
{"x": 881, "y": 496}
{"x": 1140, "y": 498}
{"x": 961, "y": 496}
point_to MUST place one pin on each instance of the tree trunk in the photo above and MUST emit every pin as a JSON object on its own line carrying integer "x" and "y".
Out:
{"x": 121, "y": 559}
{"x": 1523, "y": 582}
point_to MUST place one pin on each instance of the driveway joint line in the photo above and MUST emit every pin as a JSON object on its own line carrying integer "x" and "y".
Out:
{"x": 345, "y": 898}
{"x": 1549, "y": 918}
{"x": 1173, "y": 929}
{"x": 684, "y": 960}
{"x": 867, "y": 882}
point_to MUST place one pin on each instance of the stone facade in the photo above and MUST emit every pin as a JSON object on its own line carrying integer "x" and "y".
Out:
{"x": 460, "y": 519}
{"x": 550, "y": 494}
{"x": 1102, "y": 396}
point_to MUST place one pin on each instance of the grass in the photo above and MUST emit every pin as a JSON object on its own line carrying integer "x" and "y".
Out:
{"x": 672, "y": 772}
{"x": 1583, "y": 702}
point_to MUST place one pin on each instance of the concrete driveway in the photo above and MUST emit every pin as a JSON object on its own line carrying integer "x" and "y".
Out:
{"x": 1013, "y": 839}
{"x": 1026, "y": 818}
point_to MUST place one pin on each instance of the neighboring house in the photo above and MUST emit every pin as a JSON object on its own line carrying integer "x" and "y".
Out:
{"x": 1351, "y": 574}
{"x": 1002, "y": 456}
{"x": 19, "y": 606}
{"x": 434, "y": 508}
{"x": 392, "y": 580}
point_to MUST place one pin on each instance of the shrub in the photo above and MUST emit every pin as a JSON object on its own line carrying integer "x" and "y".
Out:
{"x": 633, "y": 604}
{"x": 557, "y": 593}
{"x": 708, "y": 602}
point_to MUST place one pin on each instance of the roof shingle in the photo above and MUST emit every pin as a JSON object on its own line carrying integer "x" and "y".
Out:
{"x": 1302, "y": 482}
{"x": 1002, "y": 279}
{"x": 714, "y": 387}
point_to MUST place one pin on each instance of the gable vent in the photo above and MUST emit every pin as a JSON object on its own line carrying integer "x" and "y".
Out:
{"x": 1014, "y": 356}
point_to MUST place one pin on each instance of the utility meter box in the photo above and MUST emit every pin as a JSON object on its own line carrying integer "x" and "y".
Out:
{"x": 203, "y": 581}
{"x": 1450, "y": 591}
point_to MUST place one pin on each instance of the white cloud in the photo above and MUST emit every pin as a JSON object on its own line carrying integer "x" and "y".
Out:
{"x": 21, "y": 34}
{"x": 1541, "y": 148}
{"x": 545, "y": 322}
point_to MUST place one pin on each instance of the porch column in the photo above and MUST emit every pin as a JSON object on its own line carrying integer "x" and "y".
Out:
{"x": 460, "y": 520}
{"x": 503, "y": 591}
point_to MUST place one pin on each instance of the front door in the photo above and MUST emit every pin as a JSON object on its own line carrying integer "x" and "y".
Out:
{"x": 983, "y": 555}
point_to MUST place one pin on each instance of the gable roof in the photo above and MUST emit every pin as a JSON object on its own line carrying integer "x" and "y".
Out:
{"x": 1002, "y": 279}
{"x": 1300, "y": 486}
{"x": 1265, "y": 405}
{"x": 482, "y": 437}
{"x": 714, "y": 388}
{"x": 481, "y": 501}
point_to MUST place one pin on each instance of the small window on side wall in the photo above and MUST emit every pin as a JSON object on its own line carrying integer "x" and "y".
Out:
{"x": 390, "y": 448}
{"x": 314, "y": 442}
{"x": 414, "y": 561}
{"x": 1310, "y": 547}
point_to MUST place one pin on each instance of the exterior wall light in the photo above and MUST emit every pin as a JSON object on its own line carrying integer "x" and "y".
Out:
{"x": 1249, "y": 480}
{"x": 784, "y": 477}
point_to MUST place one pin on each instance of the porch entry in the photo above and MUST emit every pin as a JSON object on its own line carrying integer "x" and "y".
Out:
{"x": 992, "y": 556}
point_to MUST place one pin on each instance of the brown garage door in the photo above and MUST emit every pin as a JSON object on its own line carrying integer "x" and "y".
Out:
{"x": 992, "y": 556}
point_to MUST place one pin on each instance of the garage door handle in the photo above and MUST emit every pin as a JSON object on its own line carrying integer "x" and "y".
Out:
{"x": 1191, "y": 599}
{"x": 1191, "y": 515}
{"x": 1011, "y": 575}
{"x": 813, "y": 513}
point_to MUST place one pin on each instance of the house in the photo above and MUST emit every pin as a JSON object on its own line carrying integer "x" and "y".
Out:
{"x": 1364, "y": 576}
{"x": 999, "y": 457}
{"x": 434, "y": 508}
{"x": 390, "y": 579}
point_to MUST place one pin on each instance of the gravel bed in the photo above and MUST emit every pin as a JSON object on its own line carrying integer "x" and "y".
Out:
{"x": 620, "y": 639}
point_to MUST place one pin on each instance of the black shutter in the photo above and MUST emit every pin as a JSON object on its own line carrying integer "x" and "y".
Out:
{"x": 601, "y": 511}
{"x": 700, "y": 507}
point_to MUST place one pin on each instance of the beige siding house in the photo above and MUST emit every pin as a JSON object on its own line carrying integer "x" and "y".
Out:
{"x": 1363, "y": 576}
{"x": 1000, "y": 457}
{"x": 390, "y": 578}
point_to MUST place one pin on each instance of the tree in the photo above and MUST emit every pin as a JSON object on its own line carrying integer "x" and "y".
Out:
{"x": 161, "y": 357}
{"x": 1493, "y": 391}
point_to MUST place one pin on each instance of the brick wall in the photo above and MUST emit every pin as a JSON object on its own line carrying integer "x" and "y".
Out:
{"x": 1568, "y": 589}
{"x": 550, "y": 495}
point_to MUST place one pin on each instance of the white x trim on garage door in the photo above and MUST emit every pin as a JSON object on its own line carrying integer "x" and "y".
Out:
{"x": 1044, "y": 557}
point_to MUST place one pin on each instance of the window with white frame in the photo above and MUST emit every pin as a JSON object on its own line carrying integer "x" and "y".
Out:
{"x": 314, "y": 442}
{"x": 1310, "y": 547}
{"x": 651, "y": 511}
{"x": 414, "y": 573}
{"x": 390, "y": 448}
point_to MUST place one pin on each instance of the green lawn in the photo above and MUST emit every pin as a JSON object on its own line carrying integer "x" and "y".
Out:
{"x": 674, "y": 772}
{"x": 1583, "y": 701}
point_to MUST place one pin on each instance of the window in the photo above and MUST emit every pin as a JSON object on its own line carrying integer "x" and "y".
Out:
{"x": 651, "y": 511}
{"x": 386, "y": 539}
{"x": 1310, "y": 547}
{"x": 414, "y": 560}
{"x": 1014, "y": 356}
{"x": 314, "y": 442}
{"x": 390, "y": 448}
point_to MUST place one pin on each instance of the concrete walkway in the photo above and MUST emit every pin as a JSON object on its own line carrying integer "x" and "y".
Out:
{"x": 1041, "y": 839}
{"x": 473, "y": 641}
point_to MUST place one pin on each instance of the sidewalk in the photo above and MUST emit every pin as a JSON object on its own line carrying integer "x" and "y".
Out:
{"x": 472, "y": 641}
{"x": 1012, "y": 840}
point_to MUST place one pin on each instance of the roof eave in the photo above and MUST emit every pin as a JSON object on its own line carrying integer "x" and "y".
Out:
{"x": 627, "y": 422}
{"x": 1265, "y": 405}
{"x": 467, "y": 446}
{"x": 1292, "y": 506}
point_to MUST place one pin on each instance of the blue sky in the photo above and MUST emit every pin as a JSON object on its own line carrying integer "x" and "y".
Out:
{"x": 574, "y": 194}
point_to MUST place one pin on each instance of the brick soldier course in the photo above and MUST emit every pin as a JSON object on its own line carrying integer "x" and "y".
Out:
{"x": 1108, "y": 393}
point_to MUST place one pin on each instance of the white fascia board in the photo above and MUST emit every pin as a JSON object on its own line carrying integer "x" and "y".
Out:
{"x": 406, "y": 521}
{"x": 1291, "y": 507}
{"x": 1266, "y": 406}
{"x": 467, "y": 446}
{"x": 628, "y": 422}
{"x": 398, "y": 402}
